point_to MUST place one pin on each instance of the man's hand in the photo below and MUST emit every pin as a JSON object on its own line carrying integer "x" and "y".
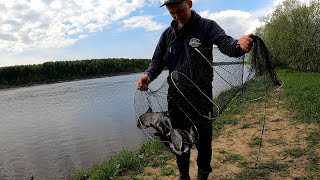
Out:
{"x": 143, "y": 82}
{"x": 246, "y": 43}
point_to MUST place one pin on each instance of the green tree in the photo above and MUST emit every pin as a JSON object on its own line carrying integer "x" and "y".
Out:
{"x": 292, "y": 34}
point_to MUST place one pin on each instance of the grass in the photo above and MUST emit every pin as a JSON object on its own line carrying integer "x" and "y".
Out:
{"x": 256, "y": 88}
{"x": 151, "y": 148}
{"x": 246, "y": 125}
{"x": 314, "y": 165}
{"x": 255, "y": 141}
{"x": 220, "y": 122}
{"x": 276, "y": 142}
{"x": 224, "y": 98}
{"x": 301, "y": 89}
{"x": 232, "y": 158}
{"x": 262, "y": 171}
{"x": 124, "y": 161}
{"x": 313, "y": 139}
{"x": 227, "y": 117}
{"x": 295, "y": 153}
{"x": 167, "y": 171}
{"x": 314, "y": 158}
{"x": 272, "y": 166}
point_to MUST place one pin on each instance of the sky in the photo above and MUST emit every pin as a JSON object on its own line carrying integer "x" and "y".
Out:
{"x": 38, "y": 31}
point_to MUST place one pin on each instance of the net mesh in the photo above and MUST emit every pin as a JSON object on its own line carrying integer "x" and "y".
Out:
{"x": 208, "y": 79}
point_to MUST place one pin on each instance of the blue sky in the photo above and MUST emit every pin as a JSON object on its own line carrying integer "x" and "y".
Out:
{"x": 37, "y": 31}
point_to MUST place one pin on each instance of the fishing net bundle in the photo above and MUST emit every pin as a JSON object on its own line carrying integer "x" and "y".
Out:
{"x": 196, "y": 93}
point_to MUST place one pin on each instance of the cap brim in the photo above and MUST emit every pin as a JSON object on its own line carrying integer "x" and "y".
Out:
{"x": 165, "y": 3}
{"x": 170, "y": 2}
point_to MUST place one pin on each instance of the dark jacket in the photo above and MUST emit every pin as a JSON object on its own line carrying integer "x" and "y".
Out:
{"x": 176, "y": 50}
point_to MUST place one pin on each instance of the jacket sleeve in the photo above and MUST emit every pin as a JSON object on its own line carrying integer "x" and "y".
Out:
{"x": 226, "y": 44}
{"x": 157, "y": 62}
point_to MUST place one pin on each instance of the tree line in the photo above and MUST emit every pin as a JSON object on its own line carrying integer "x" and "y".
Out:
{"x": 68, "y": 70}
{"x": 292, "y": 34}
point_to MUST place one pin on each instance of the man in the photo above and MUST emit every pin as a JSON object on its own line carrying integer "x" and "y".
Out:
{"x": 180, "y": 49}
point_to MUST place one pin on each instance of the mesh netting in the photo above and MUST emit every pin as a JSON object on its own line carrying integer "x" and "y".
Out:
{"x": 198, "y": 91}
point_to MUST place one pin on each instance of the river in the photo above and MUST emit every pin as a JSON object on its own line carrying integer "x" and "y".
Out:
{"x": 48, "y": 131}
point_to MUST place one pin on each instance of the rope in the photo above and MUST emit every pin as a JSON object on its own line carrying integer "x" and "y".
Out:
{"x": 264, "y": 126}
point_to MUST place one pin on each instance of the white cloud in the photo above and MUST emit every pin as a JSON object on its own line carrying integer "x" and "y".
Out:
{"x": 141, "y": 22}
{"x": 56, "y": 23}
{"x": 236, "y": 23}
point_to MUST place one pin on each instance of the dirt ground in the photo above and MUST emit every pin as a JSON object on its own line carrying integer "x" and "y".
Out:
{"x": 285, "y": 152}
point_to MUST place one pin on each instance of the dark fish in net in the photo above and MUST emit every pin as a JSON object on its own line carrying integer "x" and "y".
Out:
{"x": 178, "y": 141}
{"x": 150, "y": 119}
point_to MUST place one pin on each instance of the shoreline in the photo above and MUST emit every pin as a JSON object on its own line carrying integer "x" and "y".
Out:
{"x": 8, "y": 87}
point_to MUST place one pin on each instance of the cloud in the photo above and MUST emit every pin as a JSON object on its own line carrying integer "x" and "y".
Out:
{"x": 31, "y": 24}
{"x": 236, "y": 23}
{"x": 144, "y": 22}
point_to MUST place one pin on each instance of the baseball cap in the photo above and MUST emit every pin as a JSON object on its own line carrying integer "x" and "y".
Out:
{"x": 166, "y": 2}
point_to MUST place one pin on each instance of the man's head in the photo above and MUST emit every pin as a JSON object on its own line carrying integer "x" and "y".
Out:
{"x": 179, "y": 10}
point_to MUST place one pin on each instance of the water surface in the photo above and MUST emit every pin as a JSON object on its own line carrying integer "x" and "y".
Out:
{"x": 48, "y": 131}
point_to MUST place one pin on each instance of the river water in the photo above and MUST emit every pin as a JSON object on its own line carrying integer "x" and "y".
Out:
{"x": 49, "y": 131}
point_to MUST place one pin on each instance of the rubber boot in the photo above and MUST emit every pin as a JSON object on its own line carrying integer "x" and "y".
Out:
{"x": 202, "y": 175}
{"x": 184, "y": 171}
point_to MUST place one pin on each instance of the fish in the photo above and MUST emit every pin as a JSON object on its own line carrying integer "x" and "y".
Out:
{"x": 187, "y": 137}
{"x": 148, "y": 118}
{"x": 178, "y": 141}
